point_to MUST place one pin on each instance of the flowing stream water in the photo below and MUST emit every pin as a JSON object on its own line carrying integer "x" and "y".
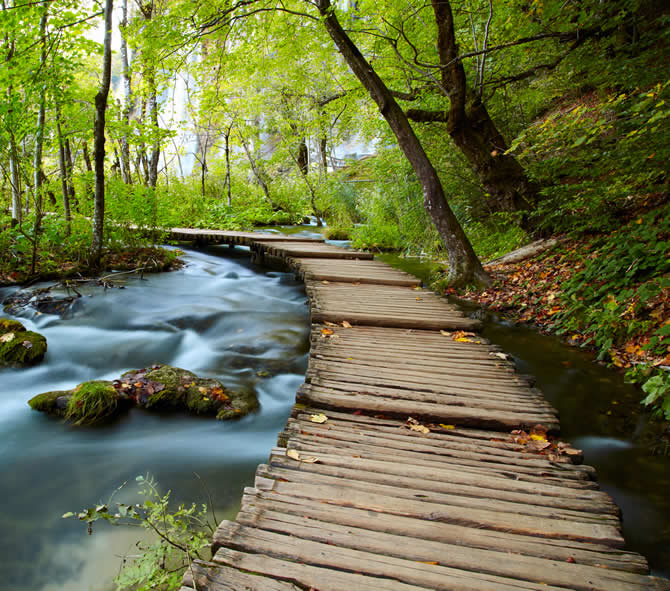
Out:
{"x": 221, "y": 316}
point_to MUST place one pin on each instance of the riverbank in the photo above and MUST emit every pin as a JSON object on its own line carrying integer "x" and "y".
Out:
{"x": 609, "y": 294}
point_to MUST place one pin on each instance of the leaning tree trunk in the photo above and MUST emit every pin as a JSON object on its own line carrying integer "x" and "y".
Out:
{"x": 472, "y": 129}
{"x": 100, "y": 112}
{"x": 63, "y": 172}
{"x": 464, "y": 266}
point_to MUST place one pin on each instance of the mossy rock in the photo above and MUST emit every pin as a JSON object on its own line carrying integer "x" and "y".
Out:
{"x": 53, "y": 403}
{"x": 18, "y": 346}
{"x": 10, "y": 325}
{"x": 164, "y": 387}
{"x": 161, "y": 387}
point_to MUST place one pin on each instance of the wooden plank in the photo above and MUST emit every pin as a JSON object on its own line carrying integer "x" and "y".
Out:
{"x": 433, "y": 412}
{"x": 413, "y": 444}
{"x": 415, "y": 492}
{"x": 394, "y": 321}
{"x": 529, "y": 568}
{"x": 603, "y": 533}
{"x": 558, "y": 474}
{"x": 524, "y": 499}
{"x": 557, "y": 549}
{"x": 485, "y": 479}
{"x": 209, "y": 576}
{"x": 390, "y": 568}
{"x": 307, "y": 576}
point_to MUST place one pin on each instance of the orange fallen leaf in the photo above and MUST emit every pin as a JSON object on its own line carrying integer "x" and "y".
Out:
{"x": 327, "y": 332}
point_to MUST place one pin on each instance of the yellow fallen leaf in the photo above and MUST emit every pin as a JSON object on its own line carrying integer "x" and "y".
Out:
{"x": 309, "y": 459}
{"x": 445, "y": 333}
{"x": 345, "y": 324}
{"x": 294, "y": 454}
{"x": 329, "y": 323}
{"x": 320, "y": 418}
{"x": 417, "y": 299}
{"x": 202, "y": 390}
{"x": 447, "y": 426}
{"x": 325, "y": 282}
{"x": 327, "y": 332}
{"x": 463, "y": 340}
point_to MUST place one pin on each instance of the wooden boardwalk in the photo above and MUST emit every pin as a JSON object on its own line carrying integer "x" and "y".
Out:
{"x": 399, "y": 469}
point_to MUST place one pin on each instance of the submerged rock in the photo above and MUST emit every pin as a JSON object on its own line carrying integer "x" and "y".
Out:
{"x": 160, "y": 387}
{"x": 19, "y": 346}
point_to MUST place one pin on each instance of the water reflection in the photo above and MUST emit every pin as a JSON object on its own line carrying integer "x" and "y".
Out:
{"x": 219, "y": 316}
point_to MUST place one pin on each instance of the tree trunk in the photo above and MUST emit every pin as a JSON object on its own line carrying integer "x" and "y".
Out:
{"x": 69, "y": 165}
{"x": 100, "y": 112}
{"x": 127, "y": 97}
{"x": 228, "y": 177}
{"x": 14, "y": 180}
{"x": 259, "y": 174}
{"x": 323, "y": 150}
{"x": 464, "y": 266}
{"x": 156, "y": 145}
{"x": 39, "y": 140}
{"x": 63, "y": 172}
{"x": 470, "y": 126}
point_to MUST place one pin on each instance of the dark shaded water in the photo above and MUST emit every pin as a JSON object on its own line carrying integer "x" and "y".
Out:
{"x": 219, "y": 316}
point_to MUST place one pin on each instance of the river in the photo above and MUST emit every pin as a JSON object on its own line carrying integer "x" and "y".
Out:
{"x": 220, "y": 316}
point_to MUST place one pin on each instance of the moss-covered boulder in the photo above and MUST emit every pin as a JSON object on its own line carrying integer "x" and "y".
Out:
{"x": 160, "y": 387}
{"x": 87, "y": 404}
{"x": 163, "y": 387}
{"x": 18, "y": 346}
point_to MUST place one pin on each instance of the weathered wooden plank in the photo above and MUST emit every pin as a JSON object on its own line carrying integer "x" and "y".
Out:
{"x": 415, "y": 492}
{"x": 209, "y": 576}
{"x": 308, "y": 576}
{"x": 604, "y": 533}
{"x": 556, "y": 474}
{"x": 529, "y": 568}
{"x": 378, "y": 565}
{"x": 523, "y": 499}
{"x": 552, "y": 548}
{"x": 485, "y": 479}
{"x": 436, "y": 412}
{"x": 429, "y": 448}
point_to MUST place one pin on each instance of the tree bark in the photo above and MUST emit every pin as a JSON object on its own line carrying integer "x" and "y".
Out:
{"x": 100, "y": 112}
{"x": 127, "y": 97}
{"x": 226, "y": 136}
{"x": 259, "y": 174}
{"x": 464, "y": 266}
{"x": 505, "y": 184}
{"x": 39, "y": 139}
{"x": 63, "y": 172}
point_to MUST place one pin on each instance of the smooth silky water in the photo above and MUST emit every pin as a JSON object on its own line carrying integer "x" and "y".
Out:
{"x": 219, "y": 316}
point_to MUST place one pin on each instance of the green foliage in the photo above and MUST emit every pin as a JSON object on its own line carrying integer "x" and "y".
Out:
{"x": 92, "y": 402}
{"x": 497, "y": 235}
{"x": 657, "y": 389}
{"x": 178, "y": 536}
{"x": 609, "y": 295}
{"x": 598, "y": 158}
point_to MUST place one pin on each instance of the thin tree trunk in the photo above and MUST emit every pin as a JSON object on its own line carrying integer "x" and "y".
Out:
{"x": 100, "y": 112}
{"x": 63, "y": 172}
{"x": 228, "y": 177}
{"x": 39, "y": 139}
{"x": 69, "y": 165}
{"x": 258, "y": 173}
{"x": 14, "y": 180}
{"x": 156, "y": 146}
{"x": 127, "y": 97}
{"x": 323, "y": 151}
{"x": 464, "y": 266}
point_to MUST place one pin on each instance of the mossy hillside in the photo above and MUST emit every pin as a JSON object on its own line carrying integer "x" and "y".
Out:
{"x": 19, "y": 346}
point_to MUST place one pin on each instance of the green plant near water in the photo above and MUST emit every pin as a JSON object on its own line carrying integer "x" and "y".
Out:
{"x": 180, "y": 536}
{"x": 91, "y": 402}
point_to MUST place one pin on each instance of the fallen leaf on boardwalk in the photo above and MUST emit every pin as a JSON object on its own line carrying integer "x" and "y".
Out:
{"x": 461, "y": 334}
{"x": 326, "y": 332}
{"x": 320, "y": 418}
{"x": 345, "y": 324}
{"x": 463, "y": 340}
{"x": 417, "y": 299}
{"x": 294, "y": 454}
{"x": 500, "y": 355}
{"x": 445, "y": 333}
{"x": 329, "y": 323}
{"x": 538, "y": 437}
{"x": 429, "y": 562}
{"x": 447, "y": 426}
{"x": 414, "y": 425}
{"x": 6, "y": 338}
{"x": 325, "y": 282}
{"x": 417, "y": 288}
